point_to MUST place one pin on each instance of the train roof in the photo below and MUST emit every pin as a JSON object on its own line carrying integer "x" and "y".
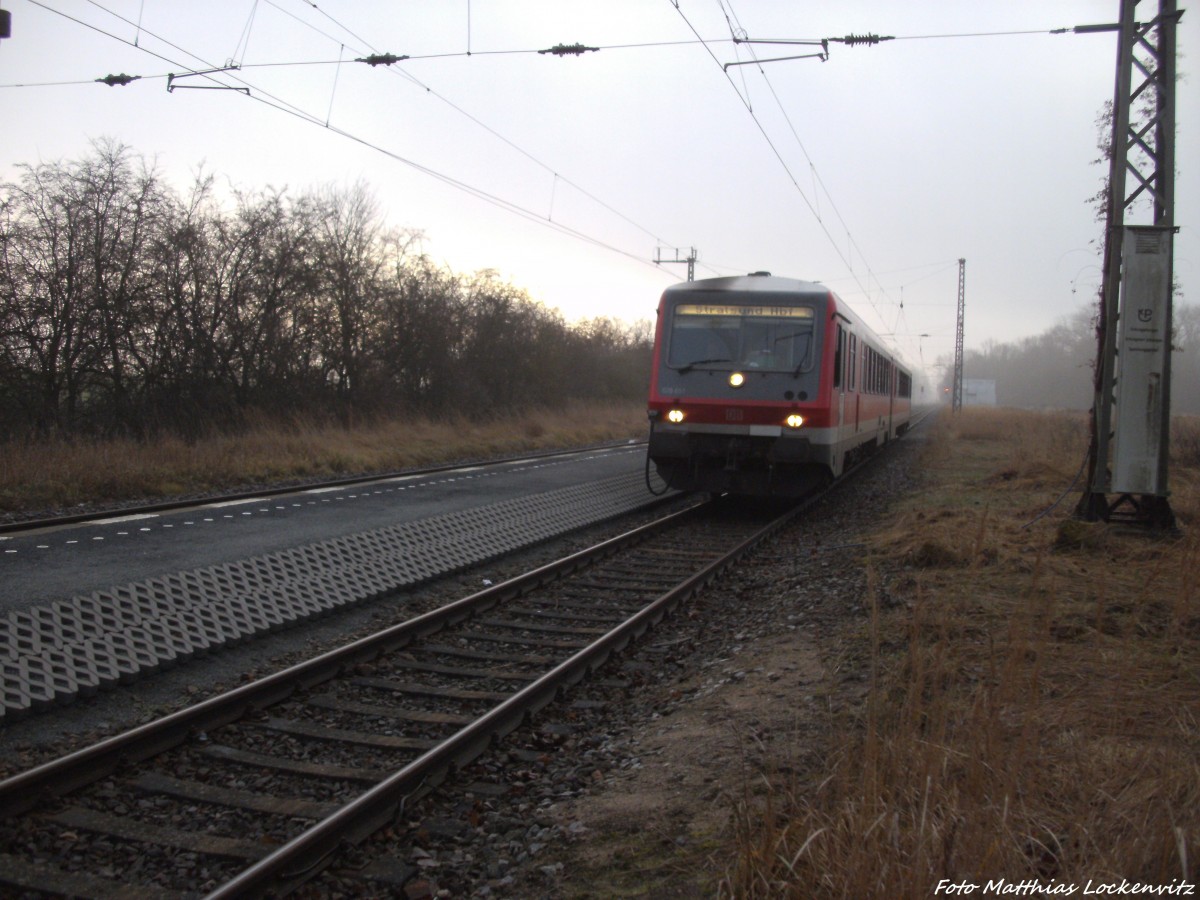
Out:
{"x": 762, "y": 282}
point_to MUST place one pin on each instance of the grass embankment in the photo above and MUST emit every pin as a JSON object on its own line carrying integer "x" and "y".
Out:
{"x": 1034, "y": 690}
{"x": 44, "y": 475}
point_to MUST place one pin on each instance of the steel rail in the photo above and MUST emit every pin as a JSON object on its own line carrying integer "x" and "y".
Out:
{"x": 25, "y": 790}
{"x": 281, "y": 490}
{"x": 298, "y": 860}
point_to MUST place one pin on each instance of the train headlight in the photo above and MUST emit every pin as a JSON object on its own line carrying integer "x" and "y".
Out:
{"x": 794, "y": 421}
{"x": 736, "y": 379}
{"x": 675, "y": 415}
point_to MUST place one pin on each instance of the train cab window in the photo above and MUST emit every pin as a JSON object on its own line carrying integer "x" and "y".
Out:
{"x": 852, "y": 381}
{"x": 768, "y": 338}
{"x": 695, "y": 342}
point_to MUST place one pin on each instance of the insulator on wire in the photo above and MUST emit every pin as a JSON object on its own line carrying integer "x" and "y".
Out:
{"x": 570, "y": 50}
{"x": 113, "y": 80}
{"x": 851, "y": 40}
{"x": 380, "y": 59}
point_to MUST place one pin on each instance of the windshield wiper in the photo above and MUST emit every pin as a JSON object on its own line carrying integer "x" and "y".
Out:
{"x": 683, "y": 370}
{"x": 795, "y": 334}
{"x": 806, "y": 363}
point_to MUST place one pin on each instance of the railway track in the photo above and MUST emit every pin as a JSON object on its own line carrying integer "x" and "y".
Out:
{"x": 254, "y": 792}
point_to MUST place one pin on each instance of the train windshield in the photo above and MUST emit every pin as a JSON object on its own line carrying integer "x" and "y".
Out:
{"x": 768, "y": 338}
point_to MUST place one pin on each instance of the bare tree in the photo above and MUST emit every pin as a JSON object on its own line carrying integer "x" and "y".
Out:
{"x": 120, "y": 206}
{"x": 420, "y": 342}
{"x": 347, "y": 233}
{"x": 125, "y": 307}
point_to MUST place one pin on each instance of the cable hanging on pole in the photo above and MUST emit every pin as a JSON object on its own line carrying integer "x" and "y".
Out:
{"x": 172, "y": 78}
{"x": 823, "y": 56}
{"x": 333, "y": 90}
{"x": 850, "y": 40}
{"x": 243, "y": 44}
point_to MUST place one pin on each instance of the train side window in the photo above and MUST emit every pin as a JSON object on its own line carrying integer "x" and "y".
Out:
{"x": 838, "y": 357}
{"x": 853, "y": 380}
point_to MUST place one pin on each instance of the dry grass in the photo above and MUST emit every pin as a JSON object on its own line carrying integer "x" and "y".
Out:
{"x": 1033, "y": 692}
{"x": 62, "y": 474}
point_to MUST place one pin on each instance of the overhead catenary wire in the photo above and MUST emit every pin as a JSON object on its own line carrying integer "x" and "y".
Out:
{"x": 813, "y": 196}
{"x": 209, "y": 71}
{"x": 333, "y": 90}
{"x": 257, "y": 94}
{"x": 282, "y": 105}
{"x": 98, "y": 30}
{"x": 780, "y": 158}
{"x": 740, "y": 36}
{"x": 141, "y": 12}
{"x": 339, "y": 24}
{"x": 111, "y": 80}
{"x": 556, "y": 176}
{"x": 977, "y": 34}
{"x": 243, "y": 43}
{"x": 551, "y": 170}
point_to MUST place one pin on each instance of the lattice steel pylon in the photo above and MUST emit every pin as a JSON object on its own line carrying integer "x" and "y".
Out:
{"x": 956, "y": 396}
{"x": 1134, "y": 328}
{"x": 690, "y": 260}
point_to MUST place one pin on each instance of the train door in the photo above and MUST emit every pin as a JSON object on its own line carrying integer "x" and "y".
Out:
{"x": 839, "y": 397}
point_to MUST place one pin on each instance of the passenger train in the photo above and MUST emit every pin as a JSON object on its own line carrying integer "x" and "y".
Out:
{"x": 767, "y": 386}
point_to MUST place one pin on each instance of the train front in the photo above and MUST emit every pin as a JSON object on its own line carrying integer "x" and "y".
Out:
{"x": 736, "y": 400}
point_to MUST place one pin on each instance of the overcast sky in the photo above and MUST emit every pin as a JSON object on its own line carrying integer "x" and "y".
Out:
{"x": 873, "y": 171}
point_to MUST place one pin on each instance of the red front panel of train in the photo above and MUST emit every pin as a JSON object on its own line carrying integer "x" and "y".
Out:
{"x": 741, "y": 358}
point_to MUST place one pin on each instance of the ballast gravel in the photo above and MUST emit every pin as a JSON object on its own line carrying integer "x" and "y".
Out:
{"x": 653, "y": 752}
{"x": 617, "y": 757}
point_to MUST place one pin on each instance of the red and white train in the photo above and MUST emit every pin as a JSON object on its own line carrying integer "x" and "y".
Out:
{"x": 767, "y": 386}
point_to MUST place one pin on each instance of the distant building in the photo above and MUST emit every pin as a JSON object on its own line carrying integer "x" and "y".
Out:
{"x": 979, "y": 392}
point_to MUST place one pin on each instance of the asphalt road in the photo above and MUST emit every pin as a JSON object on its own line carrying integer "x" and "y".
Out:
{"x": 58, "y": 563}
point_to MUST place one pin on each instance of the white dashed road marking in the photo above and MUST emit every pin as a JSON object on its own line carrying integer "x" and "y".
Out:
{"x": 464, "y": 474}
